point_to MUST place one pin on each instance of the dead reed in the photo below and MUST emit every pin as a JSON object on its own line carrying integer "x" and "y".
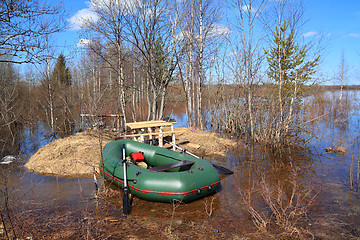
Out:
{"x": 354, "y": 180}
{"x": 275, "y": 193}
{"x": 280, "y": 210}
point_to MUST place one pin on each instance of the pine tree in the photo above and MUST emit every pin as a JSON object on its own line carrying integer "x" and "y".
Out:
{"x": 60, "y": 97}
{"x": 287, "y": 61}
{"x": 61, "y": 74}
{"x": 289, "y": 70}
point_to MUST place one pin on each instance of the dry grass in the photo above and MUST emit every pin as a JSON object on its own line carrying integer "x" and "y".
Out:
{"x": 203, "y": 142}
{"x": 71, "y": 156}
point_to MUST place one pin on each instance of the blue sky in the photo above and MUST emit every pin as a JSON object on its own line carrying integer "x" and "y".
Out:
{"x": 338, "y": 21}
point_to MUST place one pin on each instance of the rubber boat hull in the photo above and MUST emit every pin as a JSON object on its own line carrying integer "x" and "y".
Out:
{"x": 185, "y": 184}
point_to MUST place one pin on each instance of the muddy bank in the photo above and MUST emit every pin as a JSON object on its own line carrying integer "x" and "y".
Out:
{"x": 79, "y": 155}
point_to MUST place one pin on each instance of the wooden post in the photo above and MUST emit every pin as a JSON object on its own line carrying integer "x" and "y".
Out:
{"x": 150, "y": 136}
{"x": 82, "y": 121}
{"x": 142, "y": 137}
{"x": 161, "y": 138}
{"x": 173, "y": 137}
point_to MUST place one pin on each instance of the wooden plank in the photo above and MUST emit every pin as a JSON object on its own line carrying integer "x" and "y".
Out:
{"x": 156, "y": 125}
{"x": 142, "y": 124}
{"x": 93, "y": 115}
{"x": 150, "y": 134}
{"x": 139, "y": 125}
{"x": 171, "y": 166}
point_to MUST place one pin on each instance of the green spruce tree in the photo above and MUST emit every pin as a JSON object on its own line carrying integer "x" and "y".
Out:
{"x": 289, "y": 71}
{"x": 287, "y": 61}
{"x": 62, "y": 97}
{"x": 61, "y": 74}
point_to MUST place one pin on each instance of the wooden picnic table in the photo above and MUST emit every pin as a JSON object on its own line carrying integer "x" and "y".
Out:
{"x": 152, "y": 129}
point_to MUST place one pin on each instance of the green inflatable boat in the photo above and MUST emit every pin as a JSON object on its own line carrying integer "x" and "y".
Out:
{"x": 168, "y": 176}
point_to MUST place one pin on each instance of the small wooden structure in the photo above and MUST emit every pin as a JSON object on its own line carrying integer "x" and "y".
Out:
{"x": 152, "y": 129}
{"x": 99, "y": 118}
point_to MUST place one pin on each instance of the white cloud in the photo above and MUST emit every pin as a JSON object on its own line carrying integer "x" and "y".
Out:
{"x": 354, "y": 35}
{"x": 215, "y": 30}
{"x": 310, "y": 34}
{"x": 218, "y": 30}
{"x": 82, "y": 16}
{"x": 234, "y": 54}
{"x": 247, "y": 8}
{"x": 89, "y": 14}
{"x": 83, "y": 42}
{"x": 118, "y": 4}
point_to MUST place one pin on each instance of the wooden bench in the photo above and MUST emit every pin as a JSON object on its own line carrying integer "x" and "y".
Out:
{"x": 171, "y": 166}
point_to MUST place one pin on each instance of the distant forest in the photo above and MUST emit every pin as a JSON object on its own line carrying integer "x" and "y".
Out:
{"x": 338, "y": 87}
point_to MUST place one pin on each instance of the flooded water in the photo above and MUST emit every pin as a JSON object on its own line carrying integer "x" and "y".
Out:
{"x": 310, "y": 193}
{"x": 28, "y": 189}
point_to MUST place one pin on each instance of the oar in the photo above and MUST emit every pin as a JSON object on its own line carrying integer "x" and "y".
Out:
{"x": 219, "y": 169}
{"x": 126, "y": 200}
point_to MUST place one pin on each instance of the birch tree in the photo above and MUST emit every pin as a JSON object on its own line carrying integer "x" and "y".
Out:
{"x": 343, "y": 72}
{"x": 48, "y": 85}
{"x": 9, "y": 77}
{"x": 201, "y": 33}
{"x": 107, "y": 29}
{"x": 152, "y": 27}
{"x": 247, "y": 58}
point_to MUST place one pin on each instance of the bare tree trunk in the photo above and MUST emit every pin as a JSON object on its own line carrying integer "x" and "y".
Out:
{"x": 188, "y": 91}
{"x": 94, "y": 97}
{"x": 134, "y": 96}
{"x": 200, "y": 73}
{"x": 153, "y": 103}
{"x": 290, "y": 116}
{"x": 250, "y": 76}
{"x": 50, "y": 87}
{"x": 110, "y": 80}
{"x": 99, "y": 83}
{"x": 190, "y": 78}
{"x": 148, "y": 92}
{"x": 342, "y": 75}
{"x": 280, "y": 80}
{"x": 246, "y": 66}
{"x": 121, "y": 79}
{"x": 162, "y": 104}
{"x": 193, "y": 105}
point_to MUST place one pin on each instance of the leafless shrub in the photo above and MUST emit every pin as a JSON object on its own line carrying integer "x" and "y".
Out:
{"x": 209, "y": 207}
{"x": 260, "y": 220}
{"x": 354, "y": 180}
{"x": 280, "y": 208}
{"x": 168, "y": 230}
